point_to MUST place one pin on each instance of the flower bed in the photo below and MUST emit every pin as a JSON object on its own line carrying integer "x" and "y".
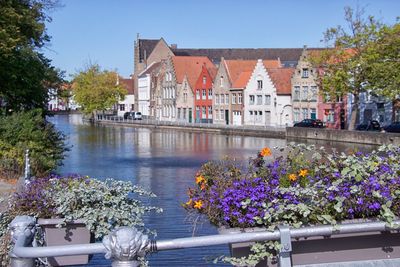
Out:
{"x": 298, "y": 185}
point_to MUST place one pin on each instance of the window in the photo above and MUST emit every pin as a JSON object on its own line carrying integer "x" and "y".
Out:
{"x": 173, "y": 92}
{"x": 305, "y": 93}
{"x": 240, "y": 96}
{"x": 217, "y": 99}
{"x": 221, "y": 80}
{"x": 179, "y": 113}
{"x": 222, "y": 113}
{"x": 197, "y": 110}
{"x": 209, "y": 93}
{"x": 267, "y": 100}
{"x": 185, "y": 97}
{"x": 132, "y": 106}
{"x": 305, "y": 113}
{"x": 259, "y": 84}
{"x": 204, "y": 79}
{"x": 304, "y": 73}
{"x": 251, "y": 99}
{"x": 210, "y": 112}
{"x": 203, "y": 111}
{"x": 313, "y": 114}
{"x": 197, "y": 94}
{"x": 203, "y": 94}
{"x": 327, "y": 97}
{"x": 226, "y": 99}
{"x": 259, "y": 99}
{"x": 296, "y": 96}
{"x": 313, "y": 93}
{"x": 339, "y": 98}
{"x": 122, "y": 107}
{"x": 184, "y": 113}
{"x": 296, "y": 114}
{"x": 233, "y": 98}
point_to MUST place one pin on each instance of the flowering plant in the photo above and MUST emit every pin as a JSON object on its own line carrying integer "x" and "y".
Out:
{"x": 298, "y": 185}
{"x": 101, "y": 205}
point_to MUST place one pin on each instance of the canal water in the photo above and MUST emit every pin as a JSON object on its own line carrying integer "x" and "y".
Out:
{"x": 163, "y": 161}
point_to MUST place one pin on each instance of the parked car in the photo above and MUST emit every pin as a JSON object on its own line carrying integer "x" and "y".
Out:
{"x": 393, "y": 128}
{"x": 372, "y": 125}
{"x": 132, "y": 115}
{"x": 310, "y": 123}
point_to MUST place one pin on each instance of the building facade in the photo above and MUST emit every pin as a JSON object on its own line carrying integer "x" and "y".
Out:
{"x": 203, "y": 100}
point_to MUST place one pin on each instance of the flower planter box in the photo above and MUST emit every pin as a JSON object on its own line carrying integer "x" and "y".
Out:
{"x": 361, "y": 249}
{"x": 70, "y": 234}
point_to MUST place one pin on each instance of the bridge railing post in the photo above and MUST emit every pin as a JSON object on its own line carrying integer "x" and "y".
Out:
{"x": 23, "y": 230}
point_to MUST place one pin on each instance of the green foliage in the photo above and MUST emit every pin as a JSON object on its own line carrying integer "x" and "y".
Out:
{"x": 96, "y": 89}
{"x": 25, "y": 73}
{"x": 362, "y": 57}
{"x": 29, "y": 130}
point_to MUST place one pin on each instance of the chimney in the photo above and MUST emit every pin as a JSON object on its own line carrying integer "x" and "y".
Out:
{"x": 174, "y": 46}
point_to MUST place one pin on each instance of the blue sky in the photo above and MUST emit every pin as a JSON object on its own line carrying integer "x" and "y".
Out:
{"x": 103, "y": 31}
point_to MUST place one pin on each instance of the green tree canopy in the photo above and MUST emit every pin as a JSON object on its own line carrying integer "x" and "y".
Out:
{"x": 96, "y": 89}
{"x": 359, "y": 57}
{"x": 25, "y": 73}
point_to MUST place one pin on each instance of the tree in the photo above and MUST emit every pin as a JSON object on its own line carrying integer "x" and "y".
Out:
{"x": 96, "y": 89}
{"x": 346, "y": 64}
{"x": 25, "y": 73}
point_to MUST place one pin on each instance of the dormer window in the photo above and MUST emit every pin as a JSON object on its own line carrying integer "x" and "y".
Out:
{"x": 304, "y": 73}
{"x": 259, "y": 84}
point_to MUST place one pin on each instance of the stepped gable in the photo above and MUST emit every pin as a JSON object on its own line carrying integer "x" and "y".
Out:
{"x": 288, "y": 56}
{"x": 191, "y": 67}
{"x": 146, "y": 46}
{"x": 235, "y": 67}
{"x": 128, "y": 84}
{"x": 281, "y": 77}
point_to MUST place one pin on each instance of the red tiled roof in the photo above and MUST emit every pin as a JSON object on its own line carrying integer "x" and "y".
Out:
{"x": 236, "y": 67}
{"x": 191, "y": 67}
{"x": 271, "y": 63}
{"x": 128, "y": 84}
{"x": 242, "y": 80}
{"x": 281, "y": 77}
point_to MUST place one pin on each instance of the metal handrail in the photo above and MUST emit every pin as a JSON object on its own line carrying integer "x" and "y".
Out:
{"x": 140, "y": 245}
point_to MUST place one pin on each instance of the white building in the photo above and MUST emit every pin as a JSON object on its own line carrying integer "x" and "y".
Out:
{"x": 128, "y": 103}
{"x": 145, "y": 86}
{"x": 267, "y": 96}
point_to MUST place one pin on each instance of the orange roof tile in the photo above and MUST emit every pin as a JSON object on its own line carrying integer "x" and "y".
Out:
{"x": 281, "y": 77}
{"x": 271, "y": 63}
{"x": 128, "y": 84}
{"x": 242, "y": 80}
{"x": 236, "y": 67}
{"x": 191, "y": 67}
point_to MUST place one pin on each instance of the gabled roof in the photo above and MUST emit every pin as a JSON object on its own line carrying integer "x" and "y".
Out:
{"x": 153, "y": 67}
{"x": 128, "y": 84}
{"x": 190, "y": 67}
{"x": 271, "y": 63}
{"x": 281, "y": 77}
{"x": 235, "y": 67}
{"x": 242, "y": 80}
{"x": 146, "y": 46}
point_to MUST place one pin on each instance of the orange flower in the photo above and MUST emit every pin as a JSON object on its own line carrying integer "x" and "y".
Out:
{"x": 198, "y": 204}
{"x": 203, "y": 186}
{"x": 200, "y": 179}
{"x": 303, "y": 173}
{"x": 189, "y": 203}
{"x": 292, "y": 177}
{"x": 265, "y": 152}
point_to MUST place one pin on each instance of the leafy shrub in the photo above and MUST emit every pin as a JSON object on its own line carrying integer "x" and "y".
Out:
{"x": 29, "y": 130}
{"x": 102, "y": 205}
{"x": 300, "y": 186}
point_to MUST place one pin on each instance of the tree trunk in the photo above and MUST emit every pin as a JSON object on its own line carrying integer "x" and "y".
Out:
{"x": 354, "y": 113}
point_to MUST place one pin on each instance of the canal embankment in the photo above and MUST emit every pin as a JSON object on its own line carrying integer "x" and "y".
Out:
{"x": 296, "y": 133}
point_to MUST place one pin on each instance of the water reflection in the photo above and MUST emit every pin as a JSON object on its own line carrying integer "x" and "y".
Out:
{"x": 165, "y": 161}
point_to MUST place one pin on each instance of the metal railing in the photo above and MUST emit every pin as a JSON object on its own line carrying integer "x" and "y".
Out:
{"x": 124, "y": 245}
